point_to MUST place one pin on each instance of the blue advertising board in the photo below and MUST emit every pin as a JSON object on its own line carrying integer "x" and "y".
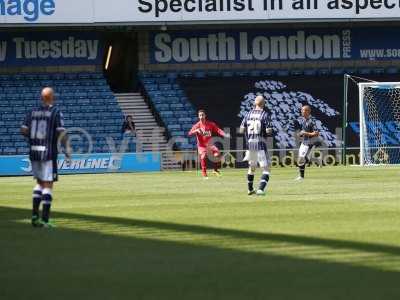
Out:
{"x": 87, "y": 163}
{"x": 50, "y": 48}
{"x": 274, "y": 45}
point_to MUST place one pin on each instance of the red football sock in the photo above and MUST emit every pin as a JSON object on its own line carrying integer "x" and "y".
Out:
{"x": 203, "y": 163}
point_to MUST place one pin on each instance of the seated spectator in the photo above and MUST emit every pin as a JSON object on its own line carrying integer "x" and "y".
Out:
{"x": 128, "y": 131}
{"x": 129, "y": 126}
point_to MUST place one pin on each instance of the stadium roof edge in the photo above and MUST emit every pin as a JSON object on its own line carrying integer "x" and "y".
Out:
{"x": 208, "y": 22}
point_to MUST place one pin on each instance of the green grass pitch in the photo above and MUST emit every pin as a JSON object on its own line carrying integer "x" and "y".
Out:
{"x": 174, "y": 236}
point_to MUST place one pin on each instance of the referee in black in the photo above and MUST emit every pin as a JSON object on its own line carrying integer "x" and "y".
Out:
{"x": 308, "y": 130}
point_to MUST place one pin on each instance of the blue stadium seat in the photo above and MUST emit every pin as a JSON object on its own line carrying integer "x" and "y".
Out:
{"x": 166, "y": 114}
{"x": 180, "y": 93}
{"x": 364, "y": 71}
{"x": 350, "y": 71}
{"x": 255, "y": 73}
{"x": 20, "y": 144}
{"x": 22, "y": 150}
{"x": 162, "y": 80}
{"x": 338, "y": 71}
{"x": 174, "y": 127}
{"x": 242, "y": 73}
{"x": 151, "y": 87}
{"x": 177, "y": 133}
{"x": 84, "y": 76}
{"x": 165, "y": 87}
{"x": 158, "y": 100}
{"x": 8, "y": 109}
{"x": 282, "y": 73}
{"x": 324, "y": 71}
{"x": 177, "y": 106}
{"x": 200, "y": 74}
{"x": 9, "y": 150}
{"x": 108, "y": 121}
{"x": 144, "y": 74}
{"x": 172, "y": 100}
{"x": 97, "y": 75}
{"x": 310, "y": 72}
{"x": 154, "y": 94}
{"x": 146, "y": 81}
{"x": 172, "y": 75}
{"x": 163, "y": 107}
{"x": 57, "y": 76}
{"x": 170, "y": 93}
{"x": 180, "y": 114}
{"x": 185, "y": 120}
{"x": 378, "y": 71}
{"x": 218, "y": 74}
{"x": 186, "y": 74}
{"x": 158, "y": 75}
{"x": 71, "y": 76}
{"x": 392, "y": 70}
{"x": 296, "y": 72}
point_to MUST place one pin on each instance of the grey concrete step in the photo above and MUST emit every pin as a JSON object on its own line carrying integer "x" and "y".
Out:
{"x": 150, "y": 136}
{"x": 134, "y": 107}
{"x": 128, "y": 95}
{"x": 154, "y": 129}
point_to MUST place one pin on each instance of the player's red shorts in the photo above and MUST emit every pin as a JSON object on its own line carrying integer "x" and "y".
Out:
{"x": 210, "y": 149}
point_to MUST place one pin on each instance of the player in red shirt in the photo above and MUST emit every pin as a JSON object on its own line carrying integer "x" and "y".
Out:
{"x": 204, "y": 131}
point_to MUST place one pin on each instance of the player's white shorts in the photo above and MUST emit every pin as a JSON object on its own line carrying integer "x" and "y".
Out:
{"x": 44, "y": 170}
{"x": 304, "y": 153}
{"x": 255, "y": 157}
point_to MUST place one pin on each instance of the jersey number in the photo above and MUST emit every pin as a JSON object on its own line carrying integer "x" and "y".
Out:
{"x": 39, "y": 129}
{"x": 253, "y": 127}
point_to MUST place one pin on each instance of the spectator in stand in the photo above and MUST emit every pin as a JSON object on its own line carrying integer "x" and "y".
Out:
{"x": 129, "y": 126}
{"x": 128, "y": 131}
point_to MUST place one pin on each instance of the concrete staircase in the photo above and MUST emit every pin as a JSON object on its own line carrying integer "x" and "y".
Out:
{"x": 149, "y": 135}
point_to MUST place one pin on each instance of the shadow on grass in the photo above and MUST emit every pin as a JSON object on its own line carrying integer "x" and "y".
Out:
{"x": 75, "y": 264}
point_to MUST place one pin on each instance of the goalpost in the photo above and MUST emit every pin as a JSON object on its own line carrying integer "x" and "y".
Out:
{"x": 379, "y": 114}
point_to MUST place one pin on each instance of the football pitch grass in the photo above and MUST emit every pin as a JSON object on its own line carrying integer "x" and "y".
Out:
{"x": 173, "y": 235}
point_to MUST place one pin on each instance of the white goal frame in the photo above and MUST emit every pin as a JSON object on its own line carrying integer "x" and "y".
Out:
{"x": 363, "y": 127}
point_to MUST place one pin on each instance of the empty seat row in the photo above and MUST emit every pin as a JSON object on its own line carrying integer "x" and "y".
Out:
{"x": 85, "y": 99}
{"x": 165, "y": 78}
{"x": 53, "y": 76}
{"x": 170, "y": 101}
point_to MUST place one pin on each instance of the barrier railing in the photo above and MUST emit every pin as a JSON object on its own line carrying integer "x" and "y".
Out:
{"x": 189, "y": 160}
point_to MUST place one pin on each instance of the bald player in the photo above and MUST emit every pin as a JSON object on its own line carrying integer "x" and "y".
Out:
{"x": 308, "y": 130}
{"x": 43, "y": 127}
{"x": 257, "y": 126}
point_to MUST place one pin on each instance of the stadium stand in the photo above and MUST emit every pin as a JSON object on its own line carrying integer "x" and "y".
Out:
{"x": 173, "y": 107}
{"x": 88, "y": 103}
{"x": 167, "y": 94}
{"x": 84, "y": 98}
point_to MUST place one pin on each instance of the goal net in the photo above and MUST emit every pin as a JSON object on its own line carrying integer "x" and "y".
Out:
{"x": 379, "y": 123}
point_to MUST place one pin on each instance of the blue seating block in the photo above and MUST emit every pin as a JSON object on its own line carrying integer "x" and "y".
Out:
{"x": 310, "y": 72}
{"x": 282, "y": 73}
{"x": 378, "y": 71}
{"x": 392, "y": 70}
